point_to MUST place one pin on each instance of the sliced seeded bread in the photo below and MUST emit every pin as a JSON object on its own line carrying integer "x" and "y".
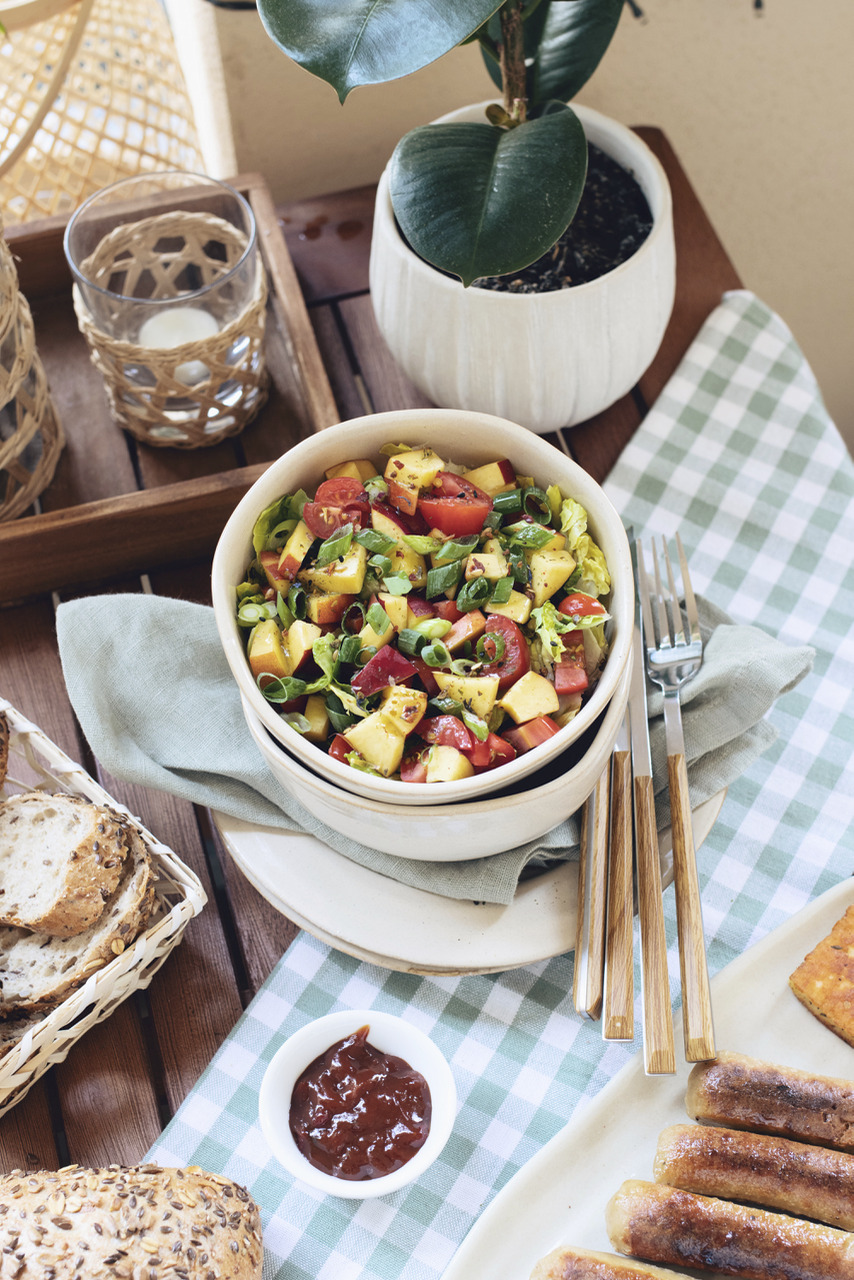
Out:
{"x": 4, "y": 746}
{"x": 129, "y": 1222}
{"x": 38, "y": 970}
{"x": 61, "y": 857}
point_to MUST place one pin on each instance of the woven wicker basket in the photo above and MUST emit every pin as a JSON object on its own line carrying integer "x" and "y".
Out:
{"x": 31, "y": 437}
{"x": 36, "y": 763}
{"x": 92, "y": 92}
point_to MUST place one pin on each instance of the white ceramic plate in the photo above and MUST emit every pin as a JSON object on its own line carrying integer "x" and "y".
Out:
{"x": 559, "y": 1196}
{"x": 383, "y": 922}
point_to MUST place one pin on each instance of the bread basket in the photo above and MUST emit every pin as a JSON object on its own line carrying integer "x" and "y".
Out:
{"x": 36, "y": 763}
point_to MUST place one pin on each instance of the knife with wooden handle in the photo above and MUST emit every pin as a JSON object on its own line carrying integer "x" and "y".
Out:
{"x": 658, "y": 1041}
{"x": 588, "y": 975}
{"x": 618, "y": 1018}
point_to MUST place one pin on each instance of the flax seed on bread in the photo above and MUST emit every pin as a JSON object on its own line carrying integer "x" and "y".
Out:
{"x": 38, "y": 970}
{"x": 61, "y": 857}
{"x": 129, "y": 1222}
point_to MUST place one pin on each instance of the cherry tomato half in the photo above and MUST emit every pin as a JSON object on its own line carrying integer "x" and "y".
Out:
{"x": 337, "y": 502}
{"x": 578, "y": 605}
{"x": 490, "y": 754}
{"x": 571, "y": 667}
{"x": 339, "y": 747}
{"x": 454, "y": 506}
{"x": 515, "y": 661}
{"x": 446, "y": 731}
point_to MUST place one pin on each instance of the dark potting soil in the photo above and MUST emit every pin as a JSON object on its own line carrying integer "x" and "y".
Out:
{"x": 611, "y": 223}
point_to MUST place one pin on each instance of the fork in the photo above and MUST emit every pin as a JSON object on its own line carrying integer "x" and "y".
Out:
{"x": 672, "y": 659}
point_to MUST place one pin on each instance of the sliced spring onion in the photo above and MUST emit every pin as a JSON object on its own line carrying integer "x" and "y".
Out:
{"x": 376, "y": 487}
{"x": 443, "y": 578}
{"x": 365, "y": 654}
{"x": 501, "y": 591}
{"x": 436, "y": 654}
{"x": 422, "y": 543}
{"x": 349, "y": 649}
{"x": 490, "y": 647}
{"x": 251, "y": 612}
{"x": 377, "y": 619}
{"x": 410, "y": 641}
{"x": 297, "y": 721}
{"x": 507, "y": 504}
{"x": 336, "y": 546}
{"x": 456, "y": 549}
{"x": 518, "y": 565}
{"x": 535, "y": 504}
{"x": 285, "y": 615}
{"x": 282, "y": 690}
{"x": 353, "y": 618}
{"x": 375, "y": 541}
{"x": 433, "y": 628}
{"x": 492, "y": 520}
{"x": 529, "y": 535}
{"x": 297, "y": 600}
{"x": 473, "y": 594}
{"x": 397, "y": 584}
{"x": 382, "y": 563}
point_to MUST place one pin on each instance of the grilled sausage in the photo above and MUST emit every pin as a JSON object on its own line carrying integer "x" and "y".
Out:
{"x": 665, "y": 1224}
{"x": 743, "y": 1093}
{"x": 809, "y": 1181}
{"x": 585, "y": 1264}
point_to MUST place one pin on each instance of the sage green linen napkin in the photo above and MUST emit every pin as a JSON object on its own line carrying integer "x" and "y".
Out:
{"x": 152, "y": 690}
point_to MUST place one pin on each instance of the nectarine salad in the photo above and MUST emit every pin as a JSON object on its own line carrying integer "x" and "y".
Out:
{"x": 422, "y": 621}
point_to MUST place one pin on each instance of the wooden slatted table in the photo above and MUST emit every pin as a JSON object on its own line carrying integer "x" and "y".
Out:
{"x": 121, "y": 1083}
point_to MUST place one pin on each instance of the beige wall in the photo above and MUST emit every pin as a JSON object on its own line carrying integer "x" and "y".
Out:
{"x": 757, "y": 106}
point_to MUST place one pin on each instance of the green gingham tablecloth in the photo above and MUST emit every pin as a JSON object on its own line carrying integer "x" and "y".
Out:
{"x": 740, "y": 456}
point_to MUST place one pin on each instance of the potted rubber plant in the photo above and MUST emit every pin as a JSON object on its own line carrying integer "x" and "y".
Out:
{"x": 490, "y": 190}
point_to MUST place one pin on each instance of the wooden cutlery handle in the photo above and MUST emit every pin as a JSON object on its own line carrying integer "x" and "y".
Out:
{"x": 592, "y": 890}
{"x": 658, "y": 1045}
{"x": 618, "y": 1021}
{"x": 698, "y": 1028}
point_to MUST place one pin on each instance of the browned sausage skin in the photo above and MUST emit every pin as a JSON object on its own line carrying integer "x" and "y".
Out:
{"x": 568, "y": 1263}
{"x": 743, "y": 1093}
{"x": 809, "y": 1181}
{"x": 665, "y": 1224}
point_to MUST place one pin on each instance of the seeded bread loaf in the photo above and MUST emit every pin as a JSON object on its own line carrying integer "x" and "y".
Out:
{"x": 37, "y": 970}
{"x": 61, "y": 857}
{"x": 129, "y": 1223}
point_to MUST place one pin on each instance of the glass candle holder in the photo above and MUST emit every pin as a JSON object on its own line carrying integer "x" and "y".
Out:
{"x": 170, "y": 293}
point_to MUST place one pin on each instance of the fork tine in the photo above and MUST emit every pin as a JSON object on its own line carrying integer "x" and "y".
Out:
{"x": 676, "y": 629}
{"x": 650, "y": 633}
{"x": 665, "y": 620}
{"x": 688, "y": 591}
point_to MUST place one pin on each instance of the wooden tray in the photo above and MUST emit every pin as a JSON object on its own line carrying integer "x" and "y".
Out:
{"x": 144, "y": 508}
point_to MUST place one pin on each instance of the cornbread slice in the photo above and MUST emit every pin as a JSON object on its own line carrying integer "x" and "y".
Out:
{"x": 824, "y": 981}
{"x": 61, "y": 857}
{"x": 38, "y": 970}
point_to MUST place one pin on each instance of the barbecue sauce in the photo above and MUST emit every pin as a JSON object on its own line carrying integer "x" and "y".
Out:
{"x": 359, "y": 1113}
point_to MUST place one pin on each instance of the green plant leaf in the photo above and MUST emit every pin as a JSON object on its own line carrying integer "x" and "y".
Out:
{"x": 475, "y": 200}
{"x": 565, "y": 41}
{"x": 353, "y": 42}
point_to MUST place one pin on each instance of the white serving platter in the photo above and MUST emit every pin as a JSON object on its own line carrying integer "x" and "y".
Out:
{"x": 559, "y": 1197}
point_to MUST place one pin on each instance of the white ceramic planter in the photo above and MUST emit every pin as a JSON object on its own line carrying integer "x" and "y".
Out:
{"x": 546, "y": 360}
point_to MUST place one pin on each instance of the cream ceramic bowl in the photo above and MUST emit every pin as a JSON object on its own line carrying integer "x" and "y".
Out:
{"x": 470, "y": 439}
{"x": 391, "y": 1035}
{"x": 465, "y": 830}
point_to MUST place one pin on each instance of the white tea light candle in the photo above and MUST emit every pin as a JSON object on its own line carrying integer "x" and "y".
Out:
{"x": 172, "y": 327}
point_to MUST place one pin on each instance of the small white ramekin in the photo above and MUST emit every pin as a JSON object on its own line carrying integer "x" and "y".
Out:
{"x": 388, "y": 1033}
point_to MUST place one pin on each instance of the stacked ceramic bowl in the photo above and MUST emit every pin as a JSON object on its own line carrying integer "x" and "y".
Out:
{"x": 488, "y": 812}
